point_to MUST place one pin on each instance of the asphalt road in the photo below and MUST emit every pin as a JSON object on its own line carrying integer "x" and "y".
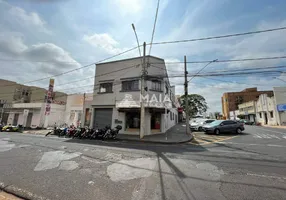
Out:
{"x": 247, "y": 166}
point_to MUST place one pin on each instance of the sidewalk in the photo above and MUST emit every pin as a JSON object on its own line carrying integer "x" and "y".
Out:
{"x": 37, "y": 132}
{"x": 283, "y": 127}
{"x": 175, "y": 135}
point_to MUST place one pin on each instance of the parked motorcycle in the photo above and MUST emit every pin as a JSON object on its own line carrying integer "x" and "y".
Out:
{"x": 112, "y": 133}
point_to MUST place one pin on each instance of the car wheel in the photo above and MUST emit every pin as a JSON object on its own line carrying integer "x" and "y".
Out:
{"x": 200, "y": 129}
{"x": 238, "y": 131}
{"x": 216, "y": 131}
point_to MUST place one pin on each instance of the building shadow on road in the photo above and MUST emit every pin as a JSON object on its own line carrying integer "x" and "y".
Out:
{"x": 160, "y": 151}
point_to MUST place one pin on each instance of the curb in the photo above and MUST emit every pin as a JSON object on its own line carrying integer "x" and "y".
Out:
{"x": 155, "y": 142}
{"x": 20, "y": 193}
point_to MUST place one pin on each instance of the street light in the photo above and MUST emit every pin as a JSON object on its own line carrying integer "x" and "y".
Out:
{"x": 202, "y": 69}
{"x": 133, "y": 27}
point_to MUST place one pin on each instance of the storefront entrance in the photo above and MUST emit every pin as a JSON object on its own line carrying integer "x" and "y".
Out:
{"x": 132, "y": 121}
{"x": 155, "y": 122}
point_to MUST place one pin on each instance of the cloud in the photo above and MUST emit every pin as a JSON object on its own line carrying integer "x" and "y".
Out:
{"x": 129, "y": 6}
{"x": 103, "y": 41}
{"x": 54, "y": 58}
{"x": 15, "y": 17}
{"x": 11, "y": 44}
{"x": 29, "y": 18}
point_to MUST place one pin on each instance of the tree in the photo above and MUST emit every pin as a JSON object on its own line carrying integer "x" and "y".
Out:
{"x": 197, "y": 104}
{"x": 217, "y": 115}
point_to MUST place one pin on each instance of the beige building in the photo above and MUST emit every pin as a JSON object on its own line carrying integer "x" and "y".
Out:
{"x": 269, "y": 109}
{"x": 231, "y": 100}
{"x": 16, "y": 98}
{"x": 248, "y": 110}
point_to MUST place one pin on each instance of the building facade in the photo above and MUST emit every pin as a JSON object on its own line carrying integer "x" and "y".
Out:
{"x": 269, "y": 109}
{"x": 231, "y": 100}
{"x": 266, "y": 112}
{"x": 248, "y": 110}
{"x": 117, "y": 96}
{"x": 280, "y": 104}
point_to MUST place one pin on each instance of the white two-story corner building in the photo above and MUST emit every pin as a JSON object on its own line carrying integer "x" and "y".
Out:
{"x": 117, "y": 96}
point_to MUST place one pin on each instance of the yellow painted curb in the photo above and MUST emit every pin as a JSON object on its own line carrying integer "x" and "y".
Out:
{"x": 212, "y": 142}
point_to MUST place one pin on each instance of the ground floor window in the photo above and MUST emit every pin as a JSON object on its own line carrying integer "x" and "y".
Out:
{"x": 132, "y": 120}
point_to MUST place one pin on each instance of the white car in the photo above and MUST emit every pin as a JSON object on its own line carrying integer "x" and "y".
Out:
{"x": 198, "y": 125}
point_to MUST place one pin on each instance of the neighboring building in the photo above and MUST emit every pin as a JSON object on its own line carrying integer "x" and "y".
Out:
{"x": 233, "y": 115}
{"x": 117, "y": 96}
{"x": 75, "y": 107}
{"x": 280, "y": 104}
{"x": 33, "y": 114}
{"x": 248, "y": 110}
{"x": 25, "y": 105}
{"x": 266, "y": 111}
{"x": 231, "y": 100}
{"x": 269, "y": 109}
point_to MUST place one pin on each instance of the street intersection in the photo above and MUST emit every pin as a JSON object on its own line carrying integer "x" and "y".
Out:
{"x": 246, "y": 166}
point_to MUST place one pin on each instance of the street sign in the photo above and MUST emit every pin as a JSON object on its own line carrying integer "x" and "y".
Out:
{"x": 281, "y": 107}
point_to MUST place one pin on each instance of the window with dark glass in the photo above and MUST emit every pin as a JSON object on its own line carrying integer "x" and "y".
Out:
{"x": 271, "y": 114}
{"x": 130, "y": 85}
{"x": 156, "y": 85}
{"x": 105, "y": 87}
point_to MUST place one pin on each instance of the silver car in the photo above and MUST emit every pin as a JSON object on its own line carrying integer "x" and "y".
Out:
{"x": 223, "y": 126}
{"x": 198, "y": 126}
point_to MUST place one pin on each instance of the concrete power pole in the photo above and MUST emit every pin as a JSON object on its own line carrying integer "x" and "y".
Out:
{"x": 142, "y": 113}
{"x": 186, "y": 98}
{"x": 82, "y": 120}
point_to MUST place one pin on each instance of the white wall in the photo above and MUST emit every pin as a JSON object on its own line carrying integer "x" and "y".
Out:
{"x": 266, "y": 105}
{"x": 36, "y": 118}
{"x": 56, "y": 115}
{"x": 280, "y": 98}
{"x": 10, "y": 118}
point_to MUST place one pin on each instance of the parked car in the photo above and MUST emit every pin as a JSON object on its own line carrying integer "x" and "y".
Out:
{"x": 245, "y": 121}
{"x": 223, "y": 126}
{"x": 10, "y": 128}
{"x": 198, "y": 126}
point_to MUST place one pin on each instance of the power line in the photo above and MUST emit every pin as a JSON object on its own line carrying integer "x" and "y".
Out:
{"x": 125, "y": 68}
{"x": 201, "y": 70}
{"x": 224, "y": 81}
{"x": 221, "y": 74}
{"x": 231, "y": 70}
{"x": 66, "y": 72}
{"x": 154, "y": 27}
{"x": 94, "y": 89}
{"x": 231, "y": 60}
{"x": 220, "y": 36}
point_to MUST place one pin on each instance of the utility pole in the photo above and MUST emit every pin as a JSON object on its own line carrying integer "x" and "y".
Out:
{"x": 142, "y": 113}
{"x": 83, "y": 110}
{"x": 186, "y": 98}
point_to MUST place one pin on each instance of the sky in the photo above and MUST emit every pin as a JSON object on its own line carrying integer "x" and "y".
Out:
{"x": 41, "y": 38}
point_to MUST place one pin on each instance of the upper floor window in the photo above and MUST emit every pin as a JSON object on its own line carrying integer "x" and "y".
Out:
{"x": 130, "y": 85}
{"x": 167, "y": 89}
{"x": 156, "y": 85}
{"x": 105, "y": 87}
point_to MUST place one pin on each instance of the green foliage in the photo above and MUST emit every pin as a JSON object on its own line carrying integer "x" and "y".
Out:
{"x": 196, "y": 103}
